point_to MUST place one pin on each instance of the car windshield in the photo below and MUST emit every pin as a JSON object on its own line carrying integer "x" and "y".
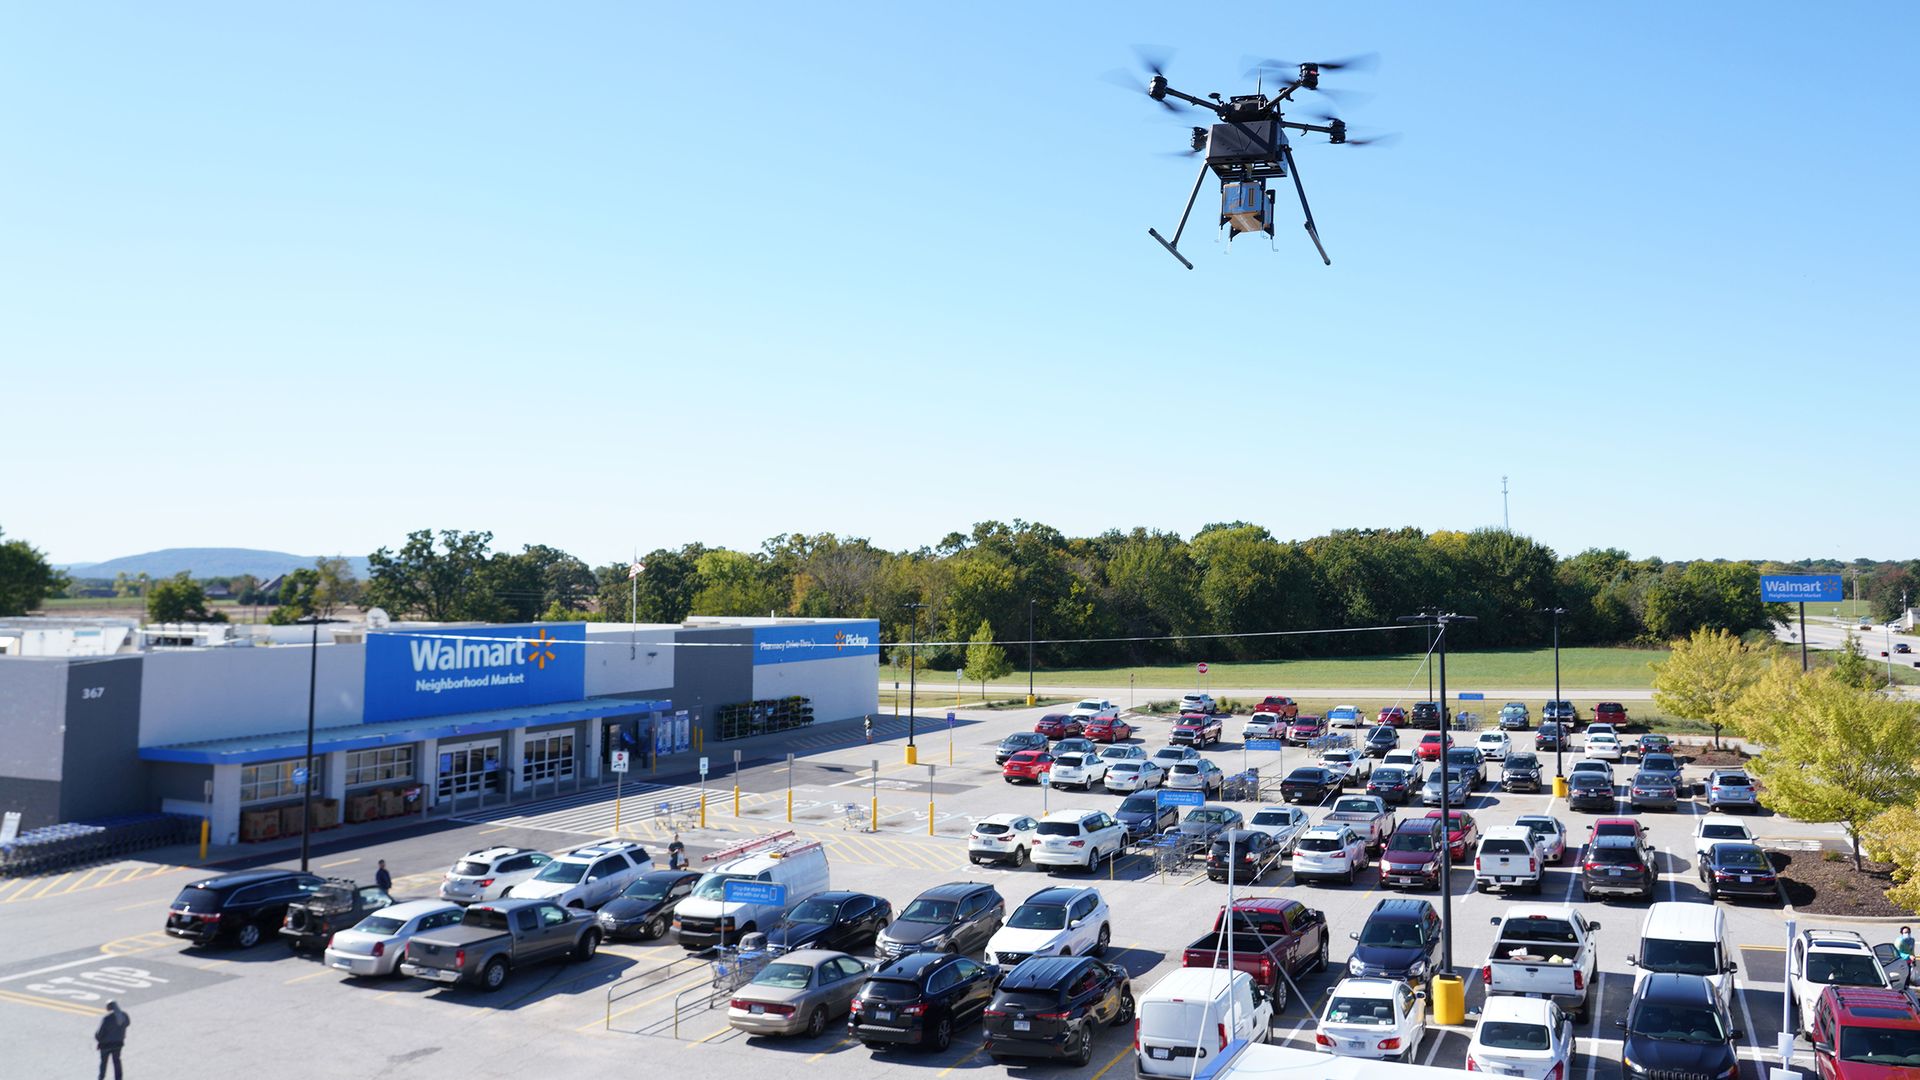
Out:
{"x": 1742, "y": 855}
{"x": 1059, "y": 828}
{"x": 1125, "y": 767}
{"x": 1408, "y": 840}
{"x": 1843, "y": 969}
{"x": 712, "y": 886}
{"x": 1338, "y": 757}
{"x": 1209, "y": 815}
{"x": 785, "y": 976}
{"x": 562, "y": 871}
{"x": 1319, "y": 843}
{"x": 992, "y": 828}
{"x": 1615, "y": 856}
{"x": 1732, "y": 781}
{"x": 1389, "y": 775}
{"x": 1140, "y": 804}
{"x": 471, "y": 868}
{"x": 1724, "y": 832}
{"x": 644, "y": 889}
{"x": 1880, "y": 1046}
{"x": 1390, "y": 934}
{"x": 1024, "y": 739}
{"x": 1615, "y": 828}
{"x": 1513, "y": 1035}
{"x": 1678, "y": 1023}
{"x": 1592, "y": 782}
{"x": 1307, "y": 776}
{"x": 1522, "y": 761}
{"x": 379, "y": 924}
{"x": 815, "y": 913}
{"x": 1067, "y": 761}
{"x": 1273, "y": 817}
{"x": 931, "y": 911}
{"x": 1186, "y": 768}
{"x": 1371, "y": 1011}
{"x": 1039, "y": 917}
{"x": 889, "y": 990}
{"x": 1684, "y": 957}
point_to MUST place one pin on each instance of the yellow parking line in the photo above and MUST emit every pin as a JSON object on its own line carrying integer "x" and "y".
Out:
{"x": 22, "y": 896}
{"x": 1111, "y": 1064}
{"x": 489, "y": 832}
{"x": 339, "y": 862}
{"x": 82, "y": 879}
{"x": 715, "y": 1035}
{"x": 603, "y": 1021}
{"x": 309, "y": 975}
{"x": 971, "y": 1054}
{"x": 132, "y": 906}
{"x": 1766, "y": 948}
{"x": 213, "y": 964}
{"x": 830, "y": 1049}
{"x": 10, "y": 886}
{"x": 56, "y": 1006}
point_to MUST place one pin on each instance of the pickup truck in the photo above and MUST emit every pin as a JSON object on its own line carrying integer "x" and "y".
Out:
{"x": 1279, "y": 704}
{"x": 1543, "y": 951}
{"x": 1509, "y": 859}
{"x": 336, "y": 905}
{"x": 1365, "y": 814}
{"x": 493, "y": 939}
{"x": 1195, "y": 729}
{"x": 1274, "y": 939}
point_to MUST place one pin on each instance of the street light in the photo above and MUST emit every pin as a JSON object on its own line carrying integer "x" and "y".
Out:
{"x": 1560, "y": 741}
{"x": 1030, "y": 651}
{"x": 306, "y": 788}
{"x": 913, "y": 671}
{"x": 1439, "y": 621}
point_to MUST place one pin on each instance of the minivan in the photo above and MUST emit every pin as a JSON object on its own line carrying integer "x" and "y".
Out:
{"x": 1172, "y": 1016}
{"x": 1688, "y": 939}
{"x": 706, "y": 918}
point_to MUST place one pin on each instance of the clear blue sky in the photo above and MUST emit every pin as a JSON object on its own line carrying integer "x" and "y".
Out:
{"x": 616, "y": 275}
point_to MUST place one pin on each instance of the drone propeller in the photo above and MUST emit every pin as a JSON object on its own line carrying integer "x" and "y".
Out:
{"x": 1339, "y": 136}
{"x": 1152, "y": 61}
{"x": 1363, "y": 62}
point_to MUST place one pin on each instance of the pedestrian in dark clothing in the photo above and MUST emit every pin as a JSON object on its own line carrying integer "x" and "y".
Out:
{"x": 676, "y": 853}
{"x": 110, "y": 1036}
{"x": 383, "y": 879}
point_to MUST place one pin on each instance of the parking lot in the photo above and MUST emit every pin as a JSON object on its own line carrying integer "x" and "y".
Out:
{"x": 71, "y": 942}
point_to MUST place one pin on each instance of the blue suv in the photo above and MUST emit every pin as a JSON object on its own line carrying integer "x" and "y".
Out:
{"x": 1398, "y": 941}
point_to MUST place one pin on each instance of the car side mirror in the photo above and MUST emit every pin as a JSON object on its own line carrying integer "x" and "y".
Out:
{"x": 1354, "y": 934}
{"x": 1732, "y": 967}
{"x": 1737, "y": 1034}
{"x": 1631, "y": 962}
{"x": 1820, "y": 1047}
{"x": 1495, "y": 921}
{"x": 1621, "y": 1024}
{"x": 1593, "y": 926}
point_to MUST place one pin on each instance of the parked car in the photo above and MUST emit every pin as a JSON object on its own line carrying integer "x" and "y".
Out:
{"x": 1463, "y": 833}
{"x": 1405, "y": 759}
{"x": 1530, "y": 1038}
{"x": 1271, "y": 935}
{"x": 1203, "y": 823}
{"x": 1426, "y": 714}
{"x": 1548, "y": 833}
{"x": 1592, "y": 765}
{"x": 1493, "y": 745}
{"x": 1717, "y": 828}
{"x": 1112, "y": 754}
{"x": 1392, "y": 783}
{"x": 1026, "y": 766}
{"x": 1329, "y": 851}
{"x": 336, "y": 905}
{"x": 1677, "y": 1026}
{"x": 1264, "y": 725}
{"x": 1168, "y": 756}
{"x": 1345, "y": 716}
{"x": 1309, "y": 784}
{"x": 1077, "y": 744}
{"x": 1049, "y": 1008}
{"x": 1058, "y": 725}
{"x": 1134, "y": 775}
{"x": 487, "y": 873}
{"x": 705, "y": 917}
{"x": 797, "y": 994}
{"x": 1058, "y": 920}
{"x": 1399, "y": 940}
{"x": 1382, "y": 1019}
{"x": 1198, "y": 730}
{"x": 1246, "y": 853}
{"x": 1562, "y": 711}
{"x": 495, "y": 939}
{"x": 1508, "y": 858}
{"x": 835, "y": 920}
{"x": 1279, "y": 703}
{"x": 1514, "y": 716}
{"x": 1555, "y": 737}
{"x": 1305, "y": 728}
{"x": 1620, "y": 826}
{"x": 1820, "y": 958}
{"x": 960, "y": 917}
{"x": 1018, "y": 742}
{"x": 1617, "y": 866}
{"x": 1686, "y": 938}
{"x": 1862, "y": 1034}
{"x": 1604, "y": 745}
{"x": 1143, "y": 816}
{"x": 1197, "y": 775}
{"x": 1353, "y": 766}
{"x": 1738, "y": 869}
{"x": 919, "y": 999}
{"x": 1081, "y": 771}
{"x": 1392, "y": 716}
{"x": 1283, "y": 823}
{"x": 644, "y": 909}
{"x": 1382, "y": 739}
{"x": 1651, "y": 743}
{"x": 1412, "y": 857}
{"x": 1201, "y": 703}
{"x": 1589, "y": 791}
{"x": 1468, "y": 758}
{"x": 1108, "y": 729}
{"x": 1457, "y": 785}
{"x": 1544, "y": 951}
{"x": 1088, "y": 710}
{"x": 238, "y": 909}
{"x": 1002, "y": 838}
{"x": 1731, "y": 789}
{"x": 1429, "y": 746}
{"x": 1183, "y": 1014}
{"x": 1078, "y": 838}
{"x": 1365, "y": 814}
{"x": 1653, "y": 791}
{"x": 373, "y": 946}
{"x": 1661, "y": 762}
{"x": 1520, "y": 772}
{"x": 1610, "y": 712}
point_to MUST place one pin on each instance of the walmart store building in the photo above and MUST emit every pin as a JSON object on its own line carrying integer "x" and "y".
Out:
{"x": 411, "y": 719}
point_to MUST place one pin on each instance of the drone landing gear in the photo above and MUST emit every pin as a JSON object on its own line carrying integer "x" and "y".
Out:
{"x": 1312, "y": 233}
{"x": 1173, "y": 248}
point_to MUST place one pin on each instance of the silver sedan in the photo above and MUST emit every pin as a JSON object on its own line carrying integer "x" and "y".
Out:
{"x": 373, "y": 945}
{"x": 798, "y": 993}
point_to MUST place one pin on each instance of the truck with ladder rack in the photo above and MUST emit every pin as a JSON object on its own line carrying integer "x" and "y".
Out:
{"x": 706, "y": 918}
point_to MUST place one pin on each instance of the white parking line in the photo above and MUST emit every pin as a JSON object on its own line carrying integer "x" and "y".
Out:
{"x": 1593, "y": 1040}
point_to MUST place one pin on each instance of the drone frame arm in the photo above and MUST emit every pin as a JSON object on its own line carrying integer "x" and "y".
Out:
{"x": 1293, "y": 167}
{"x": 1174, "y": 247}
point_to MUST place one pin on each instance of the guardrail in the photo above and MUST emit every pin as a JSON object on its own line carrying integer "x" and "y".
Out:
{"x": 653, "y": 977}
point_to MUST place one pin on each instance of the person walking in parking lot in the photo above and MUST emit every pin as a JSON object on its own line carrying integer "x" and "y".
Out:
{"x": 383, "y": 879}
{"x": 110, "y": 1036}
{"x": 676, "y": 853}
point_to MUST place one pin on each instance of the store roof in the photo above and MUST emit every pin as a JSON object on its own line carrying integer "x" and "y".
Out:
{"x": 250, "y": 749}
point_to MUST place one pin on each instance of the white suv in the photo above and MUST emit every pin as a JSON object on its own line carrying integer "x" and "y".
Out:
{"x": 1056, "y": 921}
{"x": 1077, "y": 770}
{"x": 1329, "y": 851}
{"x": 488, "y": 873}
{"x": 1822, "y": 958}
{"x": 1078, "y": 838}
{"x": 587, "y": 877}
{"x": 1001, "y": 838}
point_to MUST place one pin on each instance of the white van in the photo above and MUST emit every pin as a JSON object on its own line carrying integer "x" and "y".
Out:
{"x": 705, "y": 919}
{"x": 1689, "y": 938}
{"x": 1196, "y": 1010}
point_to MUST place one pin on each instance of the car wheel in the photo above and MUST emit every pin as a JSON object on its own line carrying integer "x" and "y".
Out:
{"x": 1019, "y": 857}
{"x": 1125, "y": 1014}
{"x": 942, "y": 1035}
{"x": 1713, "y": 894}
{"x": 1320, "y": 959}
{"x": 1083, "y": 1050}
{"x": 1277, "y": 993}
{"x": 657, "y": 927}
{"x": 1100, "y": 943}
{"x": 974, "y": 859}
{"x": 249, "y": 935}
{"x": 589, "y": 944}
{"x": 817, "y": 1022}
{"x": 494, "y": 975}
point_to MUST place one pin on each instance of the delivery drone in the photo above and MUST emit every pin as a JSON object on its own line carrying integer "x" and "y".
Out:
{"x": 1248, "y": 147}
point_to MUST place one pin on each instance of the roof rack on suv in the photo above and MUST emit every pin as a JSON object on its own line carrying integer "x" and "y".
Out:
{"x": 605, "y": 847}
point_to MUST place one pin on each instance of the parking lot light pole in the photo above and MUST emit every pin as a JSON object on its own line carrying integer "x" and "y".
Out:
{"x": 1439, "y": 621}
{"x": 913, "y": 670}
{"x": 306, "y": 788}
{"x": 1030, "y": 698}
{"x": 1558, "y": 759}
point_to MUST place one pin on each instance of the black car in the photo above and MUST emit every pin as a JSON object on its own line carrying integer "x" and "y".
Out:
{"x": 242, "y": 909}
{"x": 644, "y": 909}
{"x": 1590, "y": 791}
{"x": 1731, "y": 868}
{"x": 1016, "y": 742}
{"x": 1397, "y": 941}
{"x": 1049, "y": 1006}
{"x": 1677, "y": 1026}
{"x": 920, "y": 999}
{"x": 1660, "y": 762}
{"x": 955, "y": 918}
{"x": 1553, "y": 737}
{"x": 1143, "y": 815}
{"x": 1520, "y": 772}
{"x": 1309, "y": 783}
{"x": 1468, "y": 758}
{"x": 1617, "y": 866}
{"x": 1251, "y": 854}
{"x": 1382, "y": 739}
{"x": 837, "y": 920}
{"x": 1426, "y": 714}
{"x": 1392, "y": 783}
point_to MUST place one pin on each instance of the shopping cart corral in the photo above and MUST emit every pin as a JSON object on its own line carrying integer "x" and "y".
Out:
{"x": 66, "y": 846}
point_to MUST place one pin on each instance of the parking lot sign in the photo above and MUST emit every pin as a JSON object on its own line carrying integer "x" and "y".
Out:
{"x": 1472, "y": 695}
{"x": 619, "y": 761}
{"x": 1166, "y": 797}
{"x": 703, "y": 768}
{"x": 740, "y": 891}
{"x": 1201, "y": 667}
{"x": 1265, "y": 744}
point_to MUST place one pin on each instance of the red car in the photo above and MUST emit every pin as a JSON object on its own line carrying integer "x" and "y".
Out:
{"x": 1863, "y": 1033}
{"x": 1109, "y": 729}
{"x": 1393, "y": 714}
{"x": 1610, "y": 712}
{"x": 1462, "y": 834}
{"x": 1305, "y": 728}
{"x": 1429, "y": 748}
{"x": 1027, "y": 765}
{"x": 1058, "y": 726}
{"x": 1617, "y": 826}
{"x": 1279, "y": 705}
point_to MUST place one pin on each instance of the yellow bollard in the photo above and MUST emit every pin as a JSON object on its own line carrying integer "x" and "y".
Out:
{"x": 736, "y": 800}
{"x": 205, "y": 828}
{"x": 703, "y": 809}
{"x": 913, "y": 755}
{"x": 1030, "y": 700}
{"x": 1559, "y": 787}
{"x": 789, "y": 806}
{"x": 876, "y": 813}
{"x": 1447, "y": 996}
{"x": 929, "y": 817}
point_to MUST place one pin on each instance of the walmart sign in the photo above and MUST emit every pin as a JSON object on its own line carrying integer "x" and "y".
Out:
{"x": 828, "y": 641}
{"x": 1801, "y": 588}
{"x": 414, "y": 673}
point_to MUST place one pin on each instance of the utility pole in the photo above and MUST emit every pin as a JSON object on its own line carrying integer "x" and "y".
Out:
{"x": 1559, "y": 743}
{"x": 1439, "y": 621}
{"x": 1030, "y": 651}
{"x": 1506, "y": 522}
{"x": 913, "y": 671}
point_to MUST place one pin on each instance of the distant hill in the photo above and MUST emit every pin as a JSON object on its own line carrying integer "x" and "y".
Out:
{"x": 205, "y": 563}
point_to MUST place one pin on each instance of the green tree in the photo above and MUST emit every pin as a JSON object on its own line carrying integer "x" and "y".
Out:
{"x": 444, "y": 583}
{"x": 26, "y": 577}
{"x": 665, "y": 591}
{"x": 1713, "y": 595}
{"x": 1836, "y": 753}
{"x": 1894, "y": 837}
{"x": 986, "y": 660}
{"x": 1850, "y": 666}
{"x": 179, "y": 599}
{"x": 1704, "y": 676}
{"x": 734, "y": 583}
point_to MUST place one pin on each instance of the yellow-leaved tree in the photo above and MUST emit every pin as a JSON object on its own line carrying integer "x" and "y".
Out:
{"x": 1894, "y": 837}
{"x": 1704, "y": 676}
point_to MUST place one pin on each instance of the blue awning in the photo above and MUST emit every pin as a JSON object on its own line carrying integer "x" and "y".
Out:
{"x": 280, "y": 745}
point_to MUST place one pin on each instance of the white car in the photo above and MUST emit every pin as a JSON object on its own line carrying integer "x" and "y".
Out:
{"x": 1372, "y": 1018}
{"x": 1078, "y": 838}
{"x": 1168, "y": 756}
{"x": 1094, "y": 709}
{"x": 488, "y": 873}
{"x": 1283, "y": 823}
{"x": 586, "y": 877}
{"x": 1329, "y": 851}
{"x": 1002, "y": 838}
{"x": 1494, "y": 745}
{"x": 1592, "y": 765}
{"x": 1530, "y": 1038}
{"x": 1197, "y": 703}
{"x": 1265, "y": 725}
{"x": 1346, "y": 716}
{"x": 1198, "y": 774}
{"x": 1354, "y": 766}
{"x": 373, "y": 946}
{"x": 1077, "y": 770}
{"x": 1134, "y": 775}
{"x": 1408, "y": 760}
{"x": 1602, "y": 727}
{"x": 1604, "y": 746}
{"x": 1111, "y": 754}
{"x": 1057, "y": 921}
{"x": 1548, "y": 833}
{"x": 1822, "y": 958}
{"x": 1719, "y": 829}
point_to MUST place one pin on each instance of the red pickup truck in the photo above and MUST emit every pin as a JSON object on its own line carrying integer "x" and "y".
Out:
{"x": 1197, "y": 730}
{"x": 1271, "y": 935}
{"x": 1277, "y": 703}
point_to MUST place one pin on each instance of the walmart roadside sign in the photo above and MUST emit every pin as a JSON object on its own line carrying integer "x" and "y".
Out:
{"x": 1800, "y": 588}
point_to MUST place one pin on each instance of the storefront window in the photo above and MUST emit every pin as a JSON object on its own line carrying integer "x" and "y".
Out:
{"x": 465, "y": 770}
{"x": 274, "y": 780}
{"x": 377, "y": 766}
{"x": 548, "y": 757}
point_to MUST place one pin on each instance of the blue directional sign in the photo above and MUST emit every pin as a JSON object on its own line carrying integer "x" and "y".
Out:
{"x": 1167, "y": 797}
{"x": 1800, "y": 588}
{"x": 1472, "y": 695}
{"x": 740, "y": 891}
{"x": 299, "y": 775}
{"x": 1265, "y": 744}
